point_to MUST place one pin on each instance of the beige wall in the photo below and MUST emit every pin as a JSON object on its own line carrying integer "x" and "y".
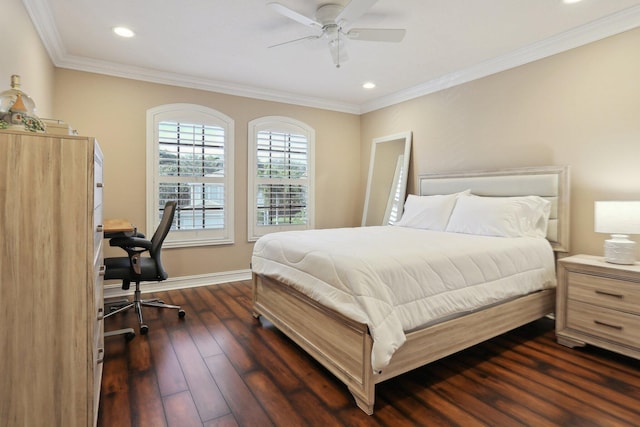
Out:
{"x": 114, "y": 110}
{"x": 23, "y": 54}
{"x": 580, "y": 108}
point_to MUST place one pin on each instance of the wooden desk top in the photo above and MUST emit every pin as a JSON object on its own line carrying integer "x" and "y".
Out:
{"x": 117, "y": 225}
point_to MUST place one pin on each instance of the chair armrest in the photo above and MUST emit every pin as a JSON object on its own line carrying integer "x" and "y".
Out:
{"x": 131, "y": 243}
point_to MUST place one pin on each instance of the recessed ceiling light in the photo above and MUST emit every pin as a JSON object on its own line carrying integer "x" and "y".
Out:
{"x": 369, "y": 85}
{"x": 123, "y": 32}
{"x": 570, "y": 1}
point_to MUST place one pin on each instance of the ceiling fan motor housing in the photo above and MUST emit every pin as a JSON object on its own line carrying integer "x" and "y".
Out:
{"x": 327, "y": 14}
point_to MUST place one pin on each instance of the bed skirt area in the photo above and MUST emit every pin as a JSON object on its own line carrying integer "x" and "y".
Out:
{"x": 343, "y": 346}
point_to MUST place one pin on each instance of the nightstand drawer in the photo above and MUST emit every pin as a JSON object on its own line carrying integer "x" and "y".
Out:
{"x": 604, "y": 291}
{"x": 621, "y": 328}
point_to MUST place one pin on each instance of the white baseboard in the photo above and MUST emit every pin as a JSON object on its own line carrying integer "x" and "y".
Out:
{"x": 115, "y": 290}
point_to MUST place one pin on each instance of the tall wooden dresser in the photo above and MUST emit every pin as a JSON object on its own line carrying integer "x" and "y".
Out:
{"x": 51, "y": 267}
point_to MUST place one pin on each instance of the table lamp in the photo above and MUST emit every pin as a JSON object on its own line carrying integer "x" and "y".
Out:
{"x": 618, "y": 219}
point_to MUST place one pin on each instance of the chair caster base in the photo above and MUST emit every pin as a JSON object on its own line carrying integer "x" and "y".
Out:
{"x": 128, "y": 333}
{"x": 181, "y": 313}
{"x": 144, "y": 329}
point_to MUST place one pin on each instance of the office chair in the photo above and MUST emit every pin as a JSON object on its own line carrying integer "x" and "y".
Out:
{"x": 137, "y": 268}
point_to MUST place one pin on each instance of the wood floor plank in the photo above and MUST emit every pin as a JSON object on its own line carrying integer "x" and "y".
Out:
{"x": 195, "y": 301}
{"x": 395, "y": 394}
{"x": 171, "y": 379}
{"x": 463, "y": 393}
{"x": 236, "y": 393}
{"x": 311, "y": 409}
{"x": 323, "y": 384}
{"x": 205, "y": 392}
{"x": 226, "y": 421}
{"x": 146, "y": 397}
{"x": 209, "y": 294}
{"x": 547, "y": 410}
{"x": 114, "y": 397}
{"x": 577, "y": 412}
{"x": 181, "y": 411}
{"x": 221, "y": 367}
{"x": 139, "y": 356}
{"x": 206, "y": 343}
{"x": 437, "y": 409}
{"x": 491, "y": 396}
{"x": 616, "y": 369}
{"x": 584, "y": 391}
{"x": 242, "y": 360}
{"x": 585, "y": 377}
{"x": 275, "y": 403}
{"x": 268, "y": 360}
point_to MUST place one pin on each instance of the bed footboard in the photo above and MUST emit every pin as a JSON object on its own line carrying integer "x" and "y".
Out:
{"x": 341, "y": 345}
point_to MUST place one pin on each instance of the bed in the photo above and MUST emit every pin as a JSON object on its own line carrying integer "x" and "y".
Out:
{"x": 353, "y": 344}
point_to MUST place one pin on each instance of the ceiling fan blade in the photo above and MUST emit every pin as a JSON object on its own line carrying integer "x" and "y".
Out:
{"x": 292, "y": 14}
{"x": 376, "y": 34}
{"x": 295, "y": 40}
{"x": 354, "y": 10}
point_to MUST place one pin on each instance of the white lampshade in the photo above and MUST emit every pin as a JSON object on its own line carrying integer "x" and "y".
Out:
{"x": 618, "y": 219}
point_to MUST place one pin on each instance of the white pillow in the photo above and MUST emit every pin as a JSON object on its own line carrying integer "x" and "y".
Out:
{"x": 526, "y": 216}
{"x": 428, "y": 212}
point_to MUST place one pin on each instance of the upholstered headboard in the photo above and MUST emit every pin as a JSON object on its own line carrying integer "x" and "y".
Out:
{"x": 549, "y": 182}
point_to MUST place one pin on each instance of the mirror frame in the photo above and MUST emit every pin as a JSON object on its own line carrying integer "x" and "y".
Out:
{"x": 395, "y": 198}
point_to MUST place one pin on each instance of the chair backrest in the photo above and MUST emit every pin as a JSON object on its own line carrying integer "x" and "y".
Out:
{"x": 162, "y": 230}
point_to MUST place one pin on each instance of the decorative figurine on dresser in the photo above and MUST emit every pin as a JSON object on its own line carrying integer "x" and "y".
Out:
{"x": 17, "y": 109}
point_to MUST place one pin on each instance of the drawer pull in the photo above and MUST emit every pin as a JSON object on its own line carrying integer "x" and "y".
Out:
{"x": 608, "y": 325}
{"x": 99, "y": 184}
{"x": 100, "y": 357}
{"x": 100, "y": 228}
{"x": 101, "y": 313}
{"x": 102, "y": 270}
{"x": 609, "y": 294}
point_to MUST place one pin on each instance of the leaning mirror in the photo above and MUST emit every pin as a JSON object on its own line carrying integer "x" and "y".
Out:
{"x": 387, "y": 181}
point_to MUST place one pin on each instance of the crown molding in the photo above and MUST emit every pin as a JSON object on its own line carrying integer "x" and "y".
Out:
{"x": 180, "y": 80}
{"x": 42, "y": 18}
{"x": 611, "y": 25}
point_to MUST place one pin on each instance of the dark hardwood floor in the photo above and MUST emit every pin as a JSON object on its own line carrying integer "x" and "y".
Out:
{"x": 221, "y": 367}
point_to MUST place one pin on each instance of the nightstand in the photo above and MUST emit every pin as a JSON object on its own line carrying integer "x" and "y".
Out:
{"x": 598, "y": 303}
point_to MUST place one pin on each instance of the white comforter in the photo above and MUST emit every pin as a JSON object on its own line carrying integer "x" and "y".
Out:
{"x": 395, "y": 279}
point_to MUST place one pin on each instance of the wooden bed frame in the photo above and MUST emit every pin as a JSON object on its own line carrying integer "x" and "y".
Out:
{"x": 343, "y": 346}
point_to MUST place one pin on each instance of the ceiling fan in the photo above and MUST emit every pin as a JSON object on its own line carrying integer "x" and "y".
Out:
{"x": 333, "y": 20}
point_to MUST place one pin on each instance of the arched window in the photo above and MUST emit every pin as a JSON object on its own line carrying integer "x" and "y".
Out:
{"x": 190, "y": 159}
{"x": 281, "y": 176}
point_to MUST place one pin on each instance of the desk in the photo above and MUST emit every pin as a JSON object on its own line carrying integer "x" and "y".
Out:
{"x": 117, "y": 225}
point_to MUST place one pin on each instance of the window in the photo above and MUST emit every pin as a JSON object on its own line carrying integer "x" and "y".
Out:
{"x": 190, "y": 159}
{"x": 281, "y": 190}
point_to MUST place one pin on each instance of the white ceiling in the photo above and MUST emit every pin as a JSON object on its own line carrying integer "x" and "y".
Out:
{"x": 222, "y": 45}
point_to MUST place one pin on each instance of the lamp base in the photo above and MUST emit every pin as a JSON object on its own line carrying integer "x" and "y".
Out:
{"x": 620, "y": 250}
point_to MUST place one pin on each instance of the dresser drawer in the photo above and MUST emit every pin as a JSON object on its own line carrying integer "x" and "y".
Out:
{"x": 604, "y": 291}
{"x": 612, "y": 325}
